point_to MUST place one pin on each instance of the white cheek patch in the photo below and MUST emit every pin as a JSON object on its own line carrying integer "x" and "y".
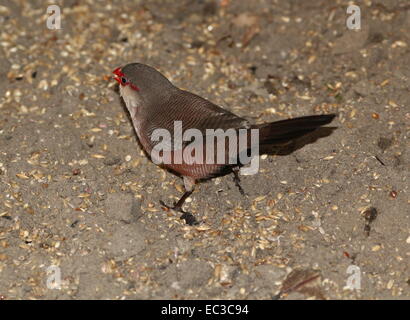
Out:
{"x": 131, "y": 98}
{"x": 133, "y": 102}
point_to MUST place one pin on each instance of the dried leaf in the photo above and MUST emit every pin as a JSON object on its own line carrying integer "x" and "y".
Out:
{"x": 305, "y": 281}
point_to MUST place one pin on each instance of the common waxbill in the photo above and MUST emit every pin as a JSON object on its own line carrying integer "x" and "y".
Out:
{"x": 155, "y": 103}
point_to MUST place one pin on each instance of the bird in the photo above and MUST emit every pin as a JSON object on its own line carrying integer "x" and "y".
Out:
{"x": 155, "y": 103}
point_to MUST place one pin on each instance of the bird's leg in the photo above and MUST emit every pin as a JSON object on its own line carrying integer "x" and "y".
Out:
{"x": 181, "y": 201}
{"x": 189, "y": 218}
{"x": 237, "y": 180}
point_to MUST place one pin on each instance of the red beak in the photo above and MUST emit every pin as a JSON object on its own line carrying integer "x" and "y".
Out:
{"x": 118, "y": 74}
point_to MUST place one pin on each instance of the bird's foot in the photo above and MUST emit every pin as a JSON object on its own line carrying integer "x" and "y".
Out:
{"x": 187, "y": 216}
{"x": 237, "y": 181}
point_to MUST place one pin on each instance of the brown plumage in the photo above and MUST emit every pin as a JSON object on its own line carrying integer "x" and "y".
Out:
{"x": 155, "y": 103}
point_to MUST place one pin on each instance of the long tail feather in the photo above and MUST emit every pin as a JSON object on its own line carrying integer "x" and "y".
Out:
{"x": 281, "y": 132}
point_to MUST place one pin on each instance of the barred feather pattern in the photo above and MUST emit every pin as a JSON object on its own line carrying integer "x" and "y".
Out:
{"x": 161, "y": 111}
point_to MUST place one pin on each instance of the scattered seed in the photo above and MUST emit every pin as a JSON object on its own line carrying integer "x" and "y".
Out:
{"x": 22, "y": 176}
{"x": 98, "y": 156}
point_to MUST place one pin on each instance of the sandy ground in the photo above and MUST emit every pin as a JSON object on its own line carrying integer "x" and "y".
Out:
{"x": 79, "y": 199}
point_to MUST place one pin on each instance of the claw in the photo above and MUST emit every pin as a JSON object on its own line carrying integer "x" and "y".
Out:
{"x": 187, "y": 216}
{"x": 164, "y": 205}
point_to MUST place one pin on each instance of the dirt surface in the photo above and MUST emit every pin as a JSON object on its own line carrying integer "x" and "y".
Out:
{"x": 77, "y": 192}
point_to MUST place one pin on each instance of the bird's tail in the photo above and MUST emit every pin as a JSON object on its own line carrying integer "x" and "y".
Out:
{"x": 281, "y": 132}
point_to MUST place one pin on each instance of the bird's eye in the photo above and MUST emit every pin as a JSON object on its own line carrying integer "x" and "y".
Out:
{"x": 124, "y": 80}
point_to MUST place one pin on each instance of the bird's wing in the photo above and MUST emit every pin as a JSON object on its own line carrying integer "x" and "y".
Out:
{"x": 194, "y": 112}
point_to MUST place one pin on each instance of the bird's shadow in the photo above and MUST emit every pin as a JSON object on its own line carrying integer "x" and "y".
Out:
{"x": 299, "y": 143}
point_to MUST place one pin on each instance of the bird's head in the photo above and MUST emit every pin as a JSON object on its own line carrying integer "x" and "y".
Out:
{"x": 140, "y": 83}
